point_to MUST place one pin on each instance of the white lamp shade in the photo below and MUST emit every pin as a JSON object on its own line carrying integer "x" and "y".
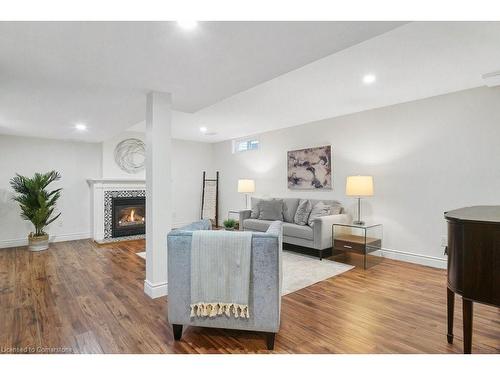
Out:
{"x": 359, "y": 186}
{"x": 246, "y": 186}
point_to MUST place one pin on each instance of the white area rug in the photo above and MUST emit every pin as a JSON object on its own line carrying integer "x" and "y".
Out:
{"x": 300, "y": 271}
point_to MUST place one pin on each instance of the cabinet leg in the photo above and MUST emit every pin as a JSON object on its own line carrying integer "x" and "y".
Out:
{"x": 270, "y": 336}
{"x": 451, "y": 311}
{"x": 177, "y": 331}
{"x": 467, "y": 317}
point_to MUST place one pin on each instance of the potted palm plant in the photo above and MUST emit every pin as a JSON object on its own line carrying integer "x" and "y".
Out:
{"x": 37, "y": 205}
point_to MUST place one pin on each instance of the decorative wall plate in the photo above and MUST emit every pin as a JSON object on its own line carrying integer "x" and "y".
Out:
{"x": 130, "y": 155}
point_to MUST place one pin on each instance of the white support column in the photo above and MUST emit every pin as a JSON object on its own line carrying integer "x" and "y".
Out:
{"x": 158, "y": 191}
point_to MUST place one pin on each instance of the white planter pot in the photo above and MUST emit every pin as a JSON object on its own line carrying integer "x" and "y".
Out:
{"x": 38, "y": 243}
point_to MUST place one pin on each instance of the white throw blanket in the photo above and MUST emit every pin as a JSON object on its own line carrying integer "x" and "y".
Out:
{"x": 220, "y": 273}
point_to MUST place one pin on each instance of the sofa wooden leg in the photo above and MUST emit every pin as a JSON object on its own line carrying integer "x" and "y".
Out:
{"x": 270, "y": 336}
{"x": 177, "y": 331}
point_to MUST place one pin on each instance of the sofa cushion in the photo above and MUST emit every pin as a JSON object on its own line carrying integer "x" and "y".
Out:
{"x": 298, "y": 231}
{"x": 303, "y": 211}
{"x": 289, "y": 208}
{"x": 276, "y": 228}
{"x": 320, "y": 209}
{"x": 255, "y": 207}
{"x": 256, "y": 225}
{"x": 271, "y": 209}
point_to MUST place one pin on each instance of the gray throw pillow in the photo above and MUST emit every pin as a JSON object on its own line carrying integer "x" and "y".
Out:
{"x": 320, "y": 209}
{"x": 303, "y": 212}
{"x": 255, "y": 207}
{"x": 289, "y": 208}
{"x": 271, "y": 209}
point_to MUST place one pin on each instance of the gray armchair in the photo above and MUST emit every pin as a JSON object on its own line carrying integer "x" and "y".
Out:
{"x": 265, "y": 284}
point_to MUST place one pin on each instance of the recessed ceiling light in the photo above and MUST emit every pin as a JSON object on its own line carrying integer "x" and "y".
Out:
{"x": 187, "y": 24}
{"x": 203, "y": 129}
{"x": 369, "y": 79}
{"x": 81, "y": 127}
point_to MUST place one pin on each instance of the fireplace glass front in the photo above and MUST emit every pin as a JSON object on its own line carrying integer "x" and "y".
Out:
{"x": 129, "y": 216}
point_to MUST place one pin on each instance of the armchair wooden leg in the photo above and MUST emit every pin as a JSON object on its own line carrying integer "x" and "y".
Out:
{"x": 177, "y": 331}
{"x": 270, "y": 336}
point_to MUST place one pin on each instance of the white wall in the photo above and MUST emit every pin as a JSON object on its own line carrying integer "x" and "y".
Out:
{"x": 109, "y": 167}
{"x": 76, "y": 161}
{"x": 426, "y": 157}
{"x": 189, "y": 160}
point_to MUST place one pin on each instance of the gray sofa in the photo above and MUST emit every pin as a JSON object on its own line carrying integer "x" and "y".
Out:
{"x": 297, "y": 237}
{"x": 265, "y": 283}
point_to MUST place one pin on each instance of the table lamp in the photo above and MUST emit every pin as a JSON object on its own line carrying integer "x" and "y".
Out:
{"x": 359, "y": 186}
{"x": 246, "y": 186}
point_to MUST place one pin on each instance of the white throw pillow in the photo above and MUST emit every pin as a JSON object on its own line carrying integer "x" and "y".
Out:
{"x": 303, "y": 211}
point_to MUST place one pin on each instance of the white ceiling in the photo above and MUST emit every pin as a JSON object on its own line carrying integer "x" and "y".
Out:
{"x": 414, "y": 61}
{"x": 54, "y": 74}
{"x": 237, "y": 78}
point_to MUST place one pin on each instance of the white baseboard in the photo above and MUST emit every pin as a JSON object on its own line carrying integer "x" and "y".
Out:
{"x": 405, "y": 256}
{"x": 17, "y": 242}
{"x": 53, "y": 238}
{"x": 155, "y": 290}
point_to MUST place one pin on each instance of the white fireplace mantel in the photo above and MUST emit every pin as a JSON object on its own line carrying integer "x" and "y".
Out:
{"x": 98, "y": 188}
{"x": 113, "y": 181}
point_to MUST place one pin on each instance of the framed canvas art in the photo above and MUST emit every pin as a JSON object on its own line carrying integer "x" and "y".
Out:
{"x": 310, "y": 168}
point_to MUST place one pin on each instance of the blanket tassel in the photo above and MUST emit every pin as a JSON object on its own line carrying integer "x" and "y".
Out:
{"x": 216, "y": 309}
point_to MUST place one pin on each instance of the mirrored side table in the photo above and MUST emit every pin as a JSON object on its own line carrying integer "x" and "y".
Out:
{"x": 360, "y": 239}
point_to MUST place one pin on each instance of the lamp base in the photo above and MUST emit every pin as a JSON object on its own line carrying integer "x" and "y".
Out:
{"x": 358, "y": 222}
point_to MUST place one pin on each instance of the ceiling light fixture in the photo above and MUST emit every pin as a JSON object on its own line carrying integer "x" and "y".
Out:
{"x": 203, "y": 129}
{"x": 369, "y": 79}
{"x": 81, "y": 127}
{"x": 187, "y": 24}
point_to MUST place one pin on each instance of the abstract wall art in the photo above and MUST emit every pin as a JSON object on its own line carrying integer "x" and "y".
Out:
{"x": 310, "y": 168}
{"x": 130, "y": 155}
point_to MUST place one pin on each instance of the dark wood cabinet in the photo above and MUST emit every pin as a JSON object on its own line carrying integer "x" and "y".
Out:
{"x": 473, "y": 262}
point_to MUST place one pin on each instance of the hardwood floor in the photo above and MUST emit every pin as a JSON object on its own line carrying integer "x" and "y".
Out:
{"x": 86, "y": 298}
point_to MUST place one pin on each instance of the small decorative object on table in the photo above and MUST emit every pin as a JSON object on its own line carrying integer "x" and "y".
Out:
{"x": 236, "y": 215}
{"x": 361, "y": 239}
{"x": 230, "y": 224}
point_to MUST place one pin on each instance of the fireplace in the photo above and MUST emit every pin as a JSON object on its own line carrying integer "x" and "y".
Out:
{"x": 128, "y": 216}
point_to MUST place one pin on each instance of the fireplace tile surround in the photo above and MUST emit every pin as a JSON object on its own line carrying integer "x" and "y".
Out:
{"x": 102, "y": 193}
